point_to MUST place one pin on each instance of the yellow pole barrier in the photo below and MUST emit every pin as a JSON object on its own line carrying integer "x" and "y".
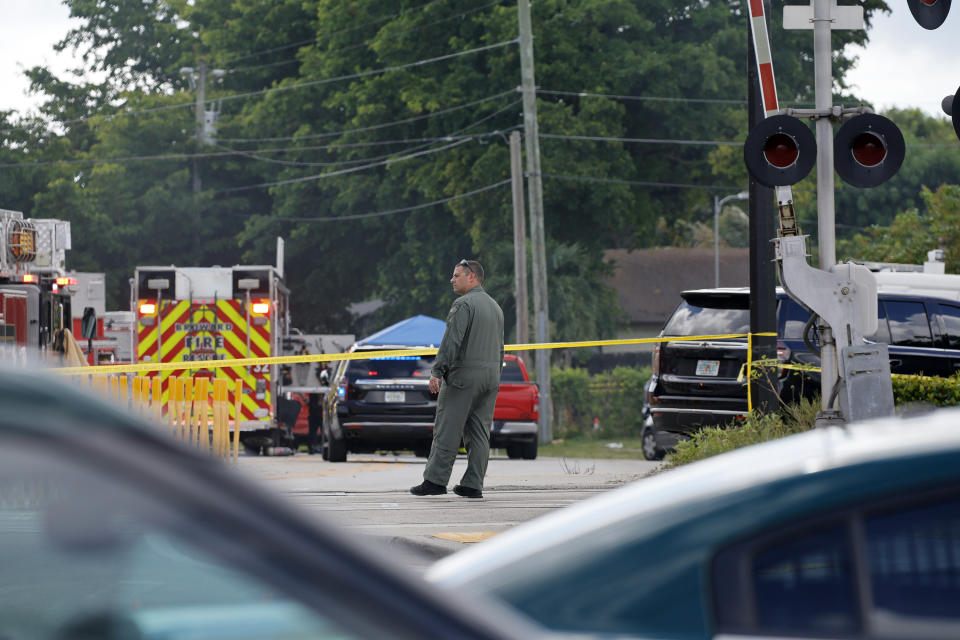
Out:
{"x": 237, "y": 405}
{"x": 135, "y": 391}
{"x": 187, "y": 420}
{"x": 176, "y": 407}
{"x": 144, "y": 397}
{"x": 156, "y": 389}
{"x": 112, "y": 388}
{"x": 220, "y": 417}
{"x": 201, "y": 405}
{"x": 122, "y": 383}
{"x": 749, "y": 371}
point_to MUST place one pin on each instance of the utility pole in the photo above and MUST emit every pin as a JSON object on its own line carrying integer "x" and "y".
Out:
{"x": 519, "y": 238}
{"x": 535, "y": 194}
{"x": 198, "y": 82}
{"x": 763, "y": 295}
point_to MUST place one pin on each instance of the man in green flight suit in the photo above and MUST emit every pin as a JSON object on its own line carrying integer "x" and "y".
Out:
{"x": 466, "y": 374}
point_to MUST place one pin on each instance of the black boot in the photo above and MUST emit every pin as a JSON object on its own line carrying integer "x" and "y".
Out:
{"x": 427, "y": 488}
{"x": 467, "y": 492}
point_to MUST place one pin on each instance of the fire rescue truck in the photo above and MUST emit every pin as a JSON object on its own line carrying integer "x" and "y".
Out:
{"x": 34, "y": 288}
{"x": 198, "y": 315}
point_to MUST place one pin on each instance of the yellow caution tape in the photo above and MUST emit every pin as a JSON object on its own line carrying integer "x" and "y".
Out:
{"x": 364, "y": 355}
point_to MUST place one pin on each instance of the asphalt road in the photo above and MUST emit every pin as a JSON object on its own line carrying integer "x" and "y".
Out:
{"x": 370, "y": 494}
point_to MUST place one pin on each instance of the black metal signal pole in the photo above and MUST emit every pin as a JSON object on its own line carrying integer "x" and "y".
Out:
{"x": 763, "y": 296}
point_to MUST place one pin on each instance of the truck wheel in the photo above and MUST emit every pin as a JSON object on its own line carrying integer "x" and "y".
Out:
{"x": 422, "y": 450}
{"x": 649, "y": 444}
{"x": 529, "y": 450}
{"x": 336, "y": 450}
{"x": 513, "y": 451}
{"x": 324, "y": 450}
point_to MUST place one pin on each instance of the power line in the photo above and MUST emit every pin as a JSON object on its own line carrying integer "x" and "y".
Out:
{"x": 584, "y": 94}
{"x": 425, "y": 143}
{"x": 332, "y": 33}
{"x": 677, "y": 185}
{"x": 371, "y": 72}
{"x": 367, "y": 43}
{"x": 383, "y": 125}
{"x": 401, "y": 209}
{"x": 330, "y": 174}
{"x": 721, "y": 143}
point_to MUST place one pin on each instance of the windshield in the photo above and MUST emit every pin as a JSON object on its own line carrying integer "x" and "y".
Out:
{"x": 694, "y": 320}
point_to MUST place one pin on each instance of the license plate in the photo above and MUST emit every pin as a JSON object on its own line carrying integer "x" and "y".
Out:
{"x": 394, "y": 396}
{"x": 708, "y": 367}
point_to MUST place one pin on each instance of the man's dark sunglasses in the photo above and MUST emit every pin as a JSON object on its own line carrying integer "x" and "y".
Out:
{"x": 466, "y": 265}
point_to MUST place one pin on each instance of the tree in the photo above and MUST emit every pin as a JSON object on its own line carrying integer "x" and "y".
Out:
{"x": 913, "y": 233}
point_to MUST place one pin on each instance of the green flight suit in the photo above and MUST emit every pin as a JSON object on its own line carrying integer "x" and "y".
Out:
{"x": 468, "y": 364}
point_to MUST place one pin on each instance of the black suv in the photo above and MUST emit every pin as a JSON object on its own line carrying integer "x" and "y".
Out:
{"x": 694, "y": 383}
{"x": 379, "y": 403}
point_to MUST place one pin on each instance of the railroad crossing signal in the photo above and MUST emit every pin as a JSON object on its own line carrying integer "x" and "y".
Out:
{"x": 868, "y": 150}
{"x": 780, "y": 151}
{"x": 929, "y": 14}
{"x": 951, "y": 107}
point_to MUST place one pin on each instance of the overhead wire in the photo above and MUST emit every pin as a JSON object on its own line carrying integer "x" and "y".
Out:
{"x": 383, "y": 125}
{"x": 330, "y": 174}
{"x": 367, "y": 43}
{"x": 332, "y": 33}
{"x": 360, "y": 216}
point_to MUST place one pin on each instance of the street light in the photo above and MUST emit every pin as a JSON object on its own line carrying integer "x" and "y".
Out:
{"x": 717, "y": 206}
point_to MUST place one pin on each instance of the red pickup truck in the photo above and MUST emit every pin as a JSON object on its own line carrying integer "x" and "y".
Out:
{"x": 518, "y": 408}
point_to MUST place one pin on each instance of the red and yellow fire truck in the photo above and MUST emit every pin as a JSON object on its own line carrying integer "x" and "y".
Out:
{"x": 34, "y": 288}
{"x": 198, "y": 315}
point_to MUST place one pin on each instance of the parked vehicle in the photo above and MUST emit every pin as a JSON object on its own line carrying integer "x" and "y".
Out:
{"x": 379, "y": 403}
{"x": 113, "y": 530}
{"x": 695, "y": 383}
{"x": 386, "y": 404}
{"x": 833, "y": 533}
{"x": 219, "y": 313}
{"x": 517, "y": 411}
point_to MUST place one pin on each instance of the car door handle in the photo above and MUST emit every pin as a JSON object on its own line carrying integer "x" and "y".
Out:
{"x": 896, "y": 362}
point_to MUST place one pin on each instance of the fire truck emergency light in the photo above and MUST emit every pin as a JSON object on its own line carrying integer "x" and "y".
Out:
{"x": 63, "y": 282}
{"x": 147, "y": 308}
{"x": 260, "y": 308}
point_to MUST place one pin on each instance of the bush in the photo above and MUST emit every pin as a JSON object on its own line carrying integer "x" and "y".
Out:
{"x": 614, "y": 398}
{"x": 939, "y": 392}
{"x": 755, "y": 428}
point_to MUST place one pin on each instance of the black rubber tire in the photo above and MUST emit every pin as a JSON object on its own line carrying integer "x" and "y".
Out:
{"x": 650, "y": 449}
{"x": 324, "y": 451}
{"x": 422, "y": 450}
{"x": 528, "y": 450}
{"x": 514, "y": 452}
{"x": 336, "y": 450}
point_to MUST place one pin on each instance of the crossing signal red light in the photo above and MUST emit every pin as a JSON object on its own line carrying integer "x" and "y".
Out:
{"x": 780, "y": 151}
{"x": 868, "y": 150}
{"x": 929, "y": 14}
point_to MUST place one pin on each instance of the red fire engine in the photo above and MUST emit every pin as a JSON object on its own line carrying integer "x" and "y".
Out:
{"x": 34, "y": 288}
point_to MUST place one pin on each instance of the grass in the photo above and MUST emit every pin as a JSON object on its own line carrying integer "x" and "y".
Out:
{"x": 598, "y": 449}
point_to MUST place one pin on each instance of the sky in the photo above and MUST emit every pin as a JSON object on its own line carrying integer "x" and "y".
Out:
{"x": 903, "y": 66}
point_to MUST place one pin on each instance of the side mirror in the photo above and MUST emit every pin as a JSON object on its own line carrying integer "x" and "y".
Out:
{"x": 88, "y": 326}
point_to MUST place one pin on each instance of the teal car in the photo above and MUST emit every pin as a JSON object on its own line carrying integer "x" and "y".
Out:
{"x": 832, "y": 533}
{"x": 110, "y": 530}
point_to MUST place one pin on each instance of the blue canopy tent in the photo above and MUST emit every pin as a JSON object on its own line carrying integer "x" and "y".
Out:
{"x": 418, "y": 331}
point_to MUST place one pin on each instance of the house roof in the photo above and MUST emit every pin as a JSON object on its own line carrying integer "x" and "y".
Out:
{"x": 648, "y": 282}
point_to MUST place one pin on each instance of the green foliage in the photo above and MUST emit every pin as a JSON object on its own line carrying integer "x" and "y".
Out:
{"x": 755, "y": 428}
{"x": 313, "y": 137}
{"x": 913, "y": 233}
{"x": 926, "y": 390}
{"x": 614, "y": 398}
